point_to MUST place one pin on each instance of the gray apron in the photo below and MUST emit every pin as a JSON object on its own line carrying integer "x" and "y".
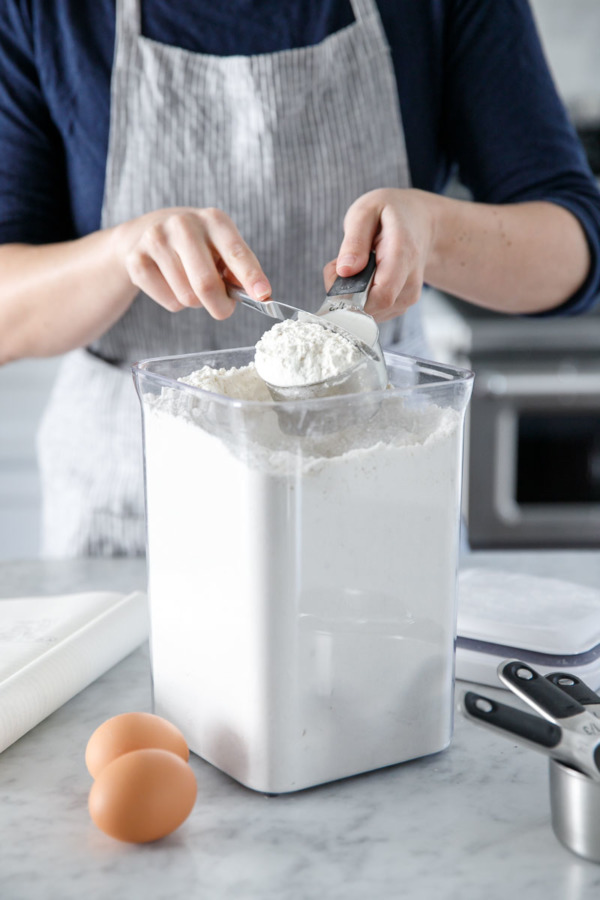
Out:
{"x": 283, "y": 143}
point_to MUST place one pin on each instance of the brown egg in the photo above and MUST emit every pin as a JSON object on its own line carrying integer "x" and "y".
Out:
{"x": 132, "y": 731}
{"x": 142, "y": 796}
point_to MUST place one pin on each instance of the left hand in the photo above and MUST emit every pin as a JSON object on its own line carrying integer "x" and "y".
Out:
{"x": 399, "y": 225}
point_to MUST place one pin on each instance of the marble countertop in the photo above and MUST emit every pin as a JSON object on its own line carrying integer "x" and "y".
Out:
{"x": 471, "y": 823}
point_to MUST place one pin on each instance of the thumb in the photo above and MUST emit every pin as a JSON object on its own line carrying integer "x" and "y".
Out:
{"x": 329, "y": 274}
{"x": 360, "y": 227}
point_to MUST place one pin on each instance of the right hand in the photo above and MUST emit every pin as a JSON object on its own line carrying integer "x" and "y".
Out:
{"x": 179, "y": 257}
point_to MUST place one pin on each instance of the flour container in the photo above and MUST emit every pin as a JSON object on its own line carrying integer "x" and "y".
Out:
{"x": 302, "y": 563}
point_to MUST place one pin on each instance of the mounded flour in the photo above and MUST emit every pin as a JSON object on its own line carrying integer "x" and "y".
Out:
{"x": 294, "y": 353}
{"x": 301, "y": 585}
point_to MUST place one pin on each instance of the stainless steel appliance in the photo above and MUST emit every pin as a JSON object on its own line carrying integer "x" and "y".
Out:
{"x": 534, "y": 448}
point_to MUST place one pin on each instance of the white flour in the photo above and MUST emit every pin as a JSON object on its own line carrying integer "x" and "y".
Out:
{"x": 239, "y": 384}
{"x": 296, "y": 353}
{"x": 302, "y": 589}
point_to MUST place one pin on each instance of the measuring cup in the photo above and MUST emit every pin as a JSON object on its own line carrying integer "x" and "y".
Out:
{"x": 571, "y": 745}
{"x": 575, "y": 810}
{"x": 342, "y": 312}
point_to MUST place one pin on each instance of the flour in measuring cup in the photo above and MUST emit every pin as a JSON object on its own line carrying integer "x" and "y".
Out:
{"x": 294, "y": 353}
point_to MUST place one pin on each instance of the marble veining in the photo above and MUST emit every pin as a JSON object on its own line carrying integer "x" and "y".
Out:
{"x": 471, "y": 823}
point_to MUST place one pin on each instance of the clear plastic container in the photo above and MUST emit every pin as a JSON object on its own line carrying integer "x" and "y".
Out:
{"x": 302, "y": 563}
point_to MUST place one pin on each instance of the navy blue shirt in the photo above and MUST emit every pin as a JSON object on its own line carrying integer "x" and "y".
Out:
{"x": 474, "y": 92}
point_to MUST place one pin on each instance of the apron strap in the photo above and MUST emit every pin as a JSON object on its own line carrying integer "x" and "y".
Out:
{"x": 364, "y": 8}
{"x": 128, "y": 18}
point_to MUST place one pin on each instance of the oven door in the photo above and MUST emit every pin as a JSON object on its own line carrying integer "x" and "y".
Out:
{"x": 534, "y": 458}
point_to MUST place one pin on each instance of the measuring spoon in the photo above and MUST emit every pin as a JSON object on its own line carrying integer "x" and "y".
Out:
{"x": 560, "y": 708}
{"x": 528, "y": 731}
{"x": 577, "y": 689}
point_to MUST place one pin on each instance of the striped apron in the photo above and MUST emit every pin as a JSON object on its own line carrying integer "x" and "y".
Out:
{"x": 283, "y": 143}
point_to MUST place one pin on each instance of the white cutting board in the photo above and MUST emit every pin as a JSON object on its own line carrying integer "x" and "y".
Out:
{"x": 553, "y": 624}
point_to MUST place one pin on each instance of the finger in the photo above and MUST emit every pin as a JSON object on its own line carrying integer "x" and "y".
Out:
{"x": 205, "y": 280}
{"x": 329, "y": 274}
{"x": 189, "y": 237}
{"x": 396, "y": 258}
{"x": 227, "y": 274}
{"x": 145, "y": 274}
{"x": 399, "y": 287}
{"x": 408, "y": 296}
{"x": 237, "y": 256}
{"x": 385, "y": 290}
{"x": 360, "y": 227}
{"x": 172, "y": 269}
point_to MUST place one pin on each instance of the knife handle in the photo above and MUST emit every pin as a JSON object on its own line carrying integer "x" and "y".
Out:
{"x": 515, "y": 721}
{"x": 574, "y": 687}
{"x": 542, "y": 694}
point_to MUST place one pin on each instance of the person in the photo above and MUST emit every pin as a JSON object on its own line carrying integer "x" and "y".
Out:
{"x": 148, "y": 149}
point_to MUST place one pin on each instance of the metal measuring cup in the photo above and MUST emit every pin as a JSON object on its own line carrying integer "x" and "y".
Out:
{"x": 569, "y": 734}
{"x": 341, "y": 312}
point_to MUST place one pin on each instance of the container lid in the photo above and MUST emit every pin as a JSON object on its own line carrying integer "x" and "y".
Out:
{"x": 545, "y": 615}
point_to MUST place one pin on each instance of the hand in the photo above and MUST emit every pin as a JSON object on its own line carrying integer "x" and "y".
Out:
{"x": 180, "y": 256}
{"x": 399, "y": 225}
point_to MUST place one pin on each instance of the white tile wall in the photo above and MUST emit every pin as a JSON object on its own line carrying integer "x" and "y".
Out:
{"x": 24, "y": 388}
